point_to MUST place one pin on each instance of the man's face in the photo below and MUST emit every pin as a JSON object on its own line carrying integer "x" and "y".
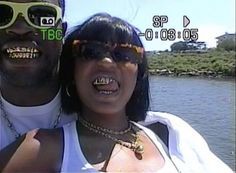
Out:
{"x": 27, "y": 57}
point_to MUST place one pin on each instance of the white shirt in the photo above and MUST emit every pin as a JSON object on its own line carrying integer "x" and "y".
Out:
{"x": 74, "y": 160}
{"x": 187, "y": 148}
{"x": 28, "y": 118}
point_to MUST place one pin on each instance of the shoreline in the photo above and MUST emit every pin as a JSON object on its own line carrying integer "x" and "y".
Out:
{"x": 199, "y": 74}
{"x": 211, "y": 64}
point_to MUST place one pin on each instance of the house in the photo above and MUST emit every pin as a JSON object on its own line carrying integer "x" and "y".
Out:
{"x": 224, "y": 37}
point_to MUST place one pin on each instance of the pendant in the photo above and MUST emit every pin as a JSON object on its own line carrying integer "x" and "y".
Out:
{"x": 139, "y": 149}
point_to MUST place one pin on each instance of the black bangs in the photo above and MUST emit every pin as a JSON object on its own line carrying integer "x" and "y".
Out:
{"x": 104, "y": 28}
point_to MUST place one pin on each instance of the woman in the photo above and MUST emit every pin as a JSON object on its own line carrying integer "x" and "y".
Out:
{"x": 105, "y": 80}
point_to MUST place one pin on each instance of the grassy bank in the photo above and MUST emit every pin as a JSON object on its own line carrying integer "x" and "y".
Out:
{"x": 212, "y": 64}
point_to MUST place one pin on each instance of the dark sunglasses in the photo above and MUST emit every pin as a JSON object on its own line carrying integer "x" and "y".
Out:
{"x": 89, "y": 50}
{"x": 37, "y": 14}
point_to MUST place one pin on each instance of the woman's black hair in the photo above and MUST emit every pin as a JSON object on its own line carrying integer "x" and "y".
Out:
{"x": 104, "y": 28}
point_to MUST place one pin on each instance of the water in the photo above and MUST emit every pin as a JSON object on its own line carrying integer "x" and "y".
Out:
{"x": 208, "y": 105}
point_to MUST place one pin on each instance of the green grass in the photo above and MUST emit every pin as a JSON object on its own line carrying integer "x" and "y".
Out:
{"x": 215, "y": 63}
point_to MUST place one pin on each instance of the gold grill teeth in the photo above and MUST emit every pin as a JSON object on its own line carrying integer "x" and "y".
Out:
{"x": 102, "y": 81}
{"x": 22, "y": 49}
{"x": 23, "y": 55}
{"x": 22, "y": 52}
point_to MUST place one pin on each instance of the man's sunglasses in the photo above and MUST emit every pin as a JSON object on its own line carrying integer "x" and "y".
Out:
{"x": 40, "y": 15}
{"x": 89, "y": 50}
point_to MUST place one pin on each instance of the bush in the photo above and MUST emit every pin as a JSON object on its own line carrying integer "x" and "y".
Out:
{"x": 227, "y": 45}
{"x": 222, "y": 63}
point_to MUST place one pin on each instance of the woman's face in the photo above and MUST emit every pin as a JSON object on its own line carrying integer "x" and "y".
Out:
{"x": 104, "y": 85}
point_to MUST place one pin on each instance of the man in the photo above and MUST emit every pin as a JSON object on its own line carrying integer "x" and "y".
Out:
{"x": 29, "y": 62}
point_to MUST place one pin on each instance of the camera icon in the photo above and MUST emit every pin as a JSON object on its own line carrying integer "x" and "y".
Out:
{"x": 47, "y": 21}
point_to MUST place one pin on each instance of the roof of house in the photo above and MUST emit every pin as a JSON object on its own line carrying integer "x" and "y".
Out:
{"x": 225, "y": 35}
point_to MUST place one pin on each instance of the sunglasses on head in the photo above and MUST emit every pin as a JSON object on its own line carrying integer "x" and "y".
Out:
{"x": 89, "y": 50}
{"x": 40, "y": 15}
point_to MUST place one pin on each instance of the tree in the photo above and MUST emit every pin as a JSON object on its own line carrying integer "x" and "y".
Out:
{"x": 190, "y": 45}
{"x": 178, "y": 46}
{"x": 227, "y": 44}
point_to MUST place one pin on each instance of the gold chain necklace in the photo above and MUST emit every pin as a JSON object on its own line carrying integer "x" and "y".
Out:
{"x": 135, "y": 145}
{"x": 105, "y": 130}
{"x": 11, "y": 126}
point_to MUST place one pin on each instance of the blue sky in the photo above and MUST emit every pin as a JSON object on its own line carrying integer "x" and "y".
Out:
{"x": 211, "y": 17}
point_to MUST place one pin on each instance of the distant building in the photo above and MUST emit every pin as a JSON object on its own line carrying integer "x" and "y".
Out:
{"x": 224, "y": 37}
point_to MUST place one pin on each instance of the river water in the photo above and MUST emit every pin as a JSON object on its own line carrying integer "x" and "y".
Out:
{"x": 208, "y": 105}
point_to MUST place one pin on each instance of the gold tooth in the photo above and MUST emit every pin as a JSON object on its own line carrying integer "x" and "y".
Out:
{"x": 9, "y": 50}
{"x": 102, "y": 81}
{"x": 96, "y": 82}
{"x": 28, "y": 55}
{"x": 23, "y": 49}
{"x": 31, "y": 55}
{"x": 14, "y": 55}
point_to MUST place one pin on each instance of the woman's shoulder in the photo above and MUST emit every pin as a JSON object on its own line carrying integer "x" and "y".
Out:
{"x": 178, "y": 129}
{"x": 38, "y": 150}
{"x": 186, "y": 146}
{"x": 173, "y": 122}
{"x": 165, "y": 118}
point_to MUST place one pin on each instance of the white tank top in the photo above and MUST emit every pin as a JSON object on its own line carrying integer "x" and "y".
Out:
{"x": 75, "y": 161}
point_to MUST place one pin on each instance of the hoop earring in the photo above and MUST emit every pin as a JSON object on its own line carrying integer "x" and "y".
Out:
{"x": 68, "y": 90}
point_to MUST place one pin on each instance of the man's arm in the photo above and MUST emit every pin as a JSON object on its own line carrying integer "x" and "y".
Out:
{"x": 37, "y": 151}
{"x": 7, "y": 153}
